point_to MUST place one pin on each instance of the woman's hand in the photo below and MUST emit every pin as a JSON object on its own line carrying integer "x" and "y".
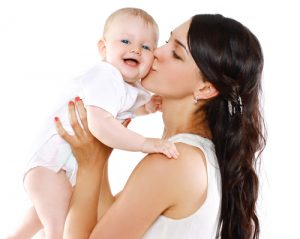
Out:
{"x": 85, "y": 147}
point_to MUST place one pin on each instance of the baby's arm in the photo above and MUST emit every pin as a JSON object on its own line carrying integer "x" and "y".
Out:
{"x": 112, "y": 133}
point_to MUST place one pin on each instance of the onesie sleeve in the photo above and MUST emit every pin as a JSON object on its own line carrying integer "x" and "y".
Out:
{"x": 103, "y": 87}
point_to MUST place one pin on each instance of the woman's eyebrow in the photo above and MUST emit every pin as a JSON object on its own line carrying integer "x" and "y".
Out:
{"x": 180, "y": 44}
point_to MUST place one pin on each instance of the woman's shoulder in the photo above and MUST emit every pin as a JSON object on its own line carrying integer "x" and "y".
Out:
{"x": 184, "y": 178}
{"x": 189, "y": 157}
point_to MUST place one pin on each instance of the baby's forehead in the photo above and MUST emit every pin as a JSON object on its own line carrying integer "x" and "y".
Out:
{"x": 133, "y": 27}
{"x": 126, "y": 21}
{"x": 129, "y": 20}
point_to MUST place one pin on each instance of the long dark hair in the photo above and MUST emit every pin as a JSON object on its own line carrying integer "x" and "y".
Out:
{"x": 230, "y": 57}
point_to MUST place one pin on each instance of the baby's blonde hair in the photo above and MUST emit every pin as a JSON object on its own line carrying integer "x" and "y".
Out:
{"x": 135, "y": 12}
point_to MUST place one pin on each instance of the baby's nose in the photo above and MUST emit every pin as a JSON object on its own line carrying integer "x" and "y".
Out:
{"x": 136, "y": 50}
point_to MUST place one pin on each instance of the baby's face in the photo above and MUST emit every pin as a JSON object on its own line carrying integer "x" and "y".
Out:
{"x": 129, "y": 45}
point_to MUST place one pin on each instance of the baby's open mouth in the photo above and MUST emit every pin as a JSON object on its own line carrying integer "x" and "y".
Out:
{"x": 131, "y": 61}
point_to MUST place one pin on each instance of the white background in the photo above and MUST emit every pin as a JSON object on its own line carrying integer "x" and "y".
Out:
{"x": 43, "y": 44}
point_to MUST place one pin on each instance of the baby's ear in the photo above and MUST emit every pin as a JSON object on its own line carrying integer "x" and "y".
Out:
{"x": 102, "y": 48}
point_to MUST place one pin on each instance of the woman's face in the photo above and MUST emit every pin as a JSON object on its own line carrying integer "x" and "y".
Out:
{"x": 174, "y": 73}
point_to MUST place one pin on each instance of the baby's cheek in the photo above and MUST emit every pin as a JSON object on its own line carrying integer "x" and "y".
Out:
{"x": 145, "y": 70}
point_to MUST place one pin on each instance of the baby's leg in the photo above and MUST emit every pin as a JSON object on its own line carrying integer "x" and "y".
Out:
{"x": 31, "y": 224}
{"x": 50, "y": 193}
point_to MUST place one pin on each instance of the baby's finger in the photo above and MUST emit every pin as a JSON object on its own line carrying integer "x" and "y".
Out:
{"x": 175, "y": 149}
{"x": 167, "y": 153}
{"x": 174, "y": 154}
{"x": 62, "y": 132}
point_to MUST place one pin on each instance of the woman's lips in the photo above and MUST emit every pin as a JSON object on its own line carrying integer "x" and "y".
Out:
{"x": 153, "y": 69}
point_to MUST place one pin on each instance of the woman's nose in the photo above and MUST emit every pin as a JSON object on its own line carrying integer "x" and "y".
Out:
{"x": 158, "y": 52}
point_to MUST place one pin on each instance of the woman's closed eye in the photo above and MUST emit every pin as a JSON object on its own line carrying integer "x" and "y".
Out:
{"x": 175, "y": 55}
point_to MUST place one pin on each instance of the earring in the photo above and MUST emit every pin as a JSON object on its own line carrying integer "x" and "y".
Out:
{"x": 195, "y": 100}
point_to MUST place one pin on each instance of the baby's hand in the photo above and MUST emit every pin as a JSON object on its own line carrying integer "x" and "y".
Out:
{"x": 160, "y": 146}
{"x": 154, "y": 104}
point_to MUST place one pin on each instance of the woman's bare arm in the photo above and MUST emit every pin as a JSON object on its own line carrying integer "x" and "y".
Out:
{"x": 82, "y": 215}
{"x": 106, "y": 197}
{"x": 147, "y": 194}
{"x": 153, "y": 187}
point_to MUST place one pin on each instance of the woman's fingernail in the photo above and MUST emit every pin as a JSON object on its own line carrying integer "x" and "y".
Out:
{"x": 71, "y": 103}
{"x": 55, "y": 118}
{"x": 77, "y": 98}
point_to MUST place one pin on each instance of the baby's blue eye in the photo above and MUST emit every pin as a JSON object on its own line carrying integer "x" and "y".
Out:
{"x": 146, "y": 48}
{"x": 125, "y": 41}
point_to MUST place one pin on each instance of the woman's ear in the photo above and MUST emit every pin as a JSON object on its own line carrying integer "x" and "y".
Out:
{"x": 205, "y": 90}
{"x": 102, "y": 48}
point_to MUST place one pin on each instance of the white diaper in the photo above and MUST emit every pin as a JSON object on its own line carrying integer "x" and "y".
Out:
{"x": 55, "y": 154}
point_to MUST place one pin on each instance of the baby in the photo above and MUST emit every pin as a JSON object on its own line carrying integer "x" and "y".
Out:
{"x": 111, "y": 92}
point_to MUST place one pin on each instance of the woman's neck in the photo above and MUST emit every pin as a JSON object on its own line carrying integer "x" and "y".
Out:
{"x": 180, "y": 117}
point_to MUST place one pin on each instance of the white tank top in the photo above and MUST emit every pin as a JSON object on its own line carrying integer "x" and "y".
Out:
{"x": 202, "y": 223}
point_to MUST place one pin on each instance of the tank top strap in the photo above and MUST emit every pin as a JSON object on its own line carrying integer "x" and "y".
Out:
{"x": 205, "y": 144}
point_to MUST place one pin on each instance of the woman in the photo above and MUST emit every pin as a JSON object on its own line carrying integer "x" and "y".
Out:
{"x": 209, "y": 76}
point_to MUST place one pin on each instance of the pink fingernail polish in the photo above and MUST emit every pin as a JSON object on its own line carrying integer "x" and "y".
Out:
{"x": 71, "y": 103}
{"x": 77, "y": 98}
{"x": 56, "y": 119}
